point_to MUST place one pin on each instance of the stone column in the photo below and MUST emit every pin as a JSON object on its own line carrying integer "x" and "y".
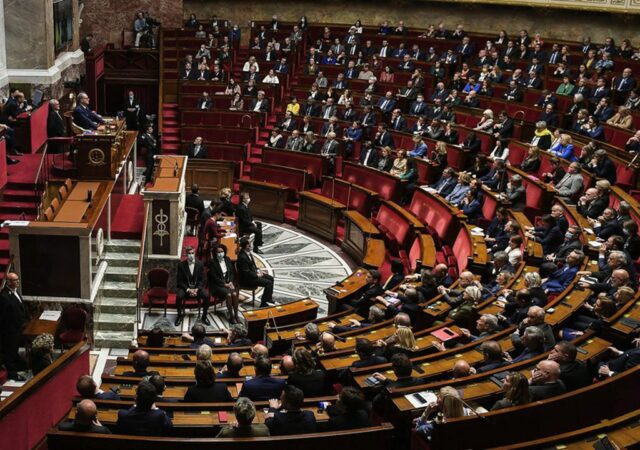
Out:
{"x": 4, "y": 76}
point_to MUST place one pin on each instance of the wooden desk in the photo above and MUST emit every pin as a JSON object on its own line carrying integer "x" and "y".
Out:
{"x": 72, "y": 211}
{"x": 359, "y": 240}
{"x": 36, "y": 327}
{"x": 319, "y": 215}
{"x": 166, "y": 184}
{"x": 292, "y": 333}
{"x": 267, "y": 199}
{"x": 210, "y": 175}
{"x": 297, "y": 311}
{"x": 80, "y": 190}
{"x": 346, "y": 289}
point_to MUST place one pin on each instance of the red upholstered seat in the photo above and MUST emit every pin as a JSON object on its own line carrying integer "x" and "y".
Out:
{"x": 625, "y": 177}
{"x": 158, "y": 292}
{"x": 71, "y": 336}
{"x": 462, "y": 249}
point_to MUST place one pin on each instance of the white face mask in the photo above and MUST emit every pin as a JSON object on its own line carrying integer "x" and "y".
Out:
{"x": 191, "y": 257}
{"x": 220, "y": 256}
{"x": 247, "y": 201}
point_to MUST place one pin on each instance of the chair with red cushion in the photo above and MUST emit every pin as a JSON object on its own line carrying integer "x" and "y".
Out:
{"x": 158, "y": 291}
{"x": 72, "y": 323}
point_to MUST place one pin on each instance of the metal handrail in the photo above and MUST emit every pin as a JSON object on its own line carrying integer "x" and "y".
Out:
{"x": 43, "y": 160}
{"x": 141, "y": 257}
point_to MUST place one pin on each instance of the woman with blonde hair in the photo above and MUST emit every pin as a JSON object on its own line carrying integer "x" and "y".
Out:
{"x": 41, "y": 353}
{"x": 622, "y": 119}
{"x": 448, "y": 405}
{"x": 399, "y": 164}
{"x": 564, "y": 148}
{"x": 531, "y": 163}
{"x": 516, "y": 391}
{"x": 486, "y": 122}
{"x": 405, "y": 342}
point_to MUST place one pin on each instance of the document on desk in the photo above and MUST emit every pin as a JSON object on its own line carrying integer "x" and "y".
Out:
{"x": 421, "y": 399}
{"x": 50, "y": 315}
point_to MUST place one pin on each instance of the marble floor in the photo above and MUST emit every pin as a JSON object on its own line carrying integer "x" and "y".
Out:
{"x": 301, "y": 266}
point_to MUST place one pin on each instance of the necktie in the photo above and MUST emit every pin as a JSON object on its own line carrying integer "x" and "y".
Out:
{"x": 383, "y": 52}
{"x": 621, "y": 83}
{"x": 384, "y": 105}
{"x": 327, "y": 113}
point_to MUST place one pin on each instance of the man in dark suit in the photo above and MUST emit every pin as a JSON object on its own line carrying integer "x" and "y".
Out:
{"x": 132, "y": 112}
{"x": 444, "y": 186}
{"x": 205, "y": 102}
{"x": 574, "y": 374}
{"x": 187, "y": 73}
{"x": 140, "y": 365}
{"x": 366, "y": 354}
{"x": 88, "y": 389}
{"x": 190, "y": 284}
{"x": 86, "y": 420}
{"x": 246, "y": 223}
{"x": 545, "y": 381}
{"x": 369, "y": 293}
{"x": 383, "y": 138}
{"x": 561, "y": 278}
{"x": 249, "y": 274}
{"x": 13, "y": 318}
{"x": 621, "y": 361}
{"x": 197, "y": 150}
{"x": 233, "y": 366}
{"x": 285, "y": 416}
{"x": 194, "y": 200}
{"x": 55, "y": 126}
{"x": 149, "y": 141}
{"x": 260, "y": 104}
{"x": 83, "y": 116}
{"x": 369, "y": 155}
{"x": 289, "y": 123}
{"x": 263, "y": 386}
{"x": 143, "y": 418}
{"x": 206, "y": 390}
{"x": 387, "y": 103}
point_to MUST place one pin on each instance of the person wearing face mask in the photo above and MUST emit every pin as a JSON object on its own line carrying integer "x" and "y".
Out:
{"x": 247, "y": 224}
{"x": 190, "y": 284}
{"x": 221, "y": 281}
{"x": 132, "y": 111}
{"x": 250, "y": 276}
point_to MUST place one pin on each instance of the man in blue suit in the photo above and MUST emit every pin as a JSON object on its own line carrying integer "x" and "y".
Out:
{"x": 561, "y": 278}
{"x": 263, "y": 386}
{"x": 285, "y": 416}
{"x": 387, "y": 103}
{"x": 446, "y": 183}
{"x": 383, "y": 138}
{"x": 143, "y": 419}
{"x": 83, "y": 116}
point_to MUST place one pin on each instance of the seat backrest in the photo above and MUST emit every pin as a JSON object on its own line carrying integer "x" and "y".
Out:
{"x": 74, "y": 318}
{"x": 158, "y": 277}
{"x": 69, "y": 184}
{"x": 55, "y": 204}
{"x": 64, "y": 193}
{"x": 193, "y": 215}
{"x": 48, "y": 214}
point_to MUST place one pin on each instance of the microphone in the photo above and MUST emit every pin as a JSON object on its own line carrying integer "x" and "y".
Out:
{"x": 175, "y": 169}
{"x": 275, "y": 325}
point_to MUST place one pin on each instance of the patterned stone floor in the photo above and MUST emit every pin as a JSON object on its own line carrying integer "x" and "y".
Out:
{"x": 301, "y": 265}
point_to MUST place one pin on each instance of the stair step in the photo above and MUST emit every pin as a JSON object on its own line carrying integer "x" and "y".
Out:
{"x": 112, "y": 339}
{"x": 17, "y": 216}
{"x": 21, "y": 195}
{"x": 170, "y": 139}
{"x": 123, "y": 246}
{"x": 122, "y": 259}
{"x": 121, "y": 273}
{"x": 171, "y": 123}
{"x": 18, "y": 206}
{"x": 114, "y": 305}
{"x": 119, "y": 289}
{"x": 113, "y": 322}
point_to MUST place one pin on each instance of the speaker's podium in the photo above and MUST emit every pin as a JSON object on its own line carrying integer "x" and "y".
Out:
{"x": 164, "y": 207}
{"x": 101, "y": 153}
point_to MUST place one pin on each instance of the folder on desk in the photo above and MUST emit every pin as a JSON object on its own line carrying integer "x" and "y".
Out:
{"x": 445, "y": 334}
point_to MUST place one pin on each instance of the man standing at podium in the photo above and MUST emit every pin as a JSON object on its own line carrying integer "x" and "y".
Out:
{"x": 246, "y": 223}
{"x": 83, "y": 116}
{"x": 190, "y": 285}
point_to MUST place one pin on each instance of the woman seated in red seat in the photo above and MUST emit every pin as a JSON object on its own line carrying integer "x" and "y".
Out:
{"x": 222, "y": 279}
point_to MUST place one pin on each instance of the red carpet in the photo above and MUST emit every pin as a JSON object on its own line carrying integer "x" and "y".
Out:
{"x": 25, "y": 172}
{"x": 128, "y": 216}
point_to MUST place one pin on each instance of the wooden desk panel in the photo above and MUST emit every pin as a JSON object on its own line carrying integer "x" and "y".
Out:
{"x": 72, "y": 211}
{"x": 81, "y": 188}
{"x": 267, "y": 199}
{"x": 319, "y": 215}
{"x": 297, "y": 311}
{"x": 165, "y": 184}
{"x": 350, "y": 286}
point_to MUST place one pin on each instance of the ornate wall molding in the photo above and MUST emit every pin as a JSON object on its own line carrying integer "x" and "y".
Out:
{"x": 609, "y": 6}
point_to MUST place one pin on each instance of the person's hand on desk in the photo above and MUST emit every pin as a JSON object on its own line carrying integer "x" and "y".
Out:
{"x": 379, "y": 377}
{"x": 274, "y": 403}
{"x": 299, "y": 336}
{"x": 354, "y": 323}
{"x": 439, "y": 346}
{"x": 465, "y": 332}
{"x": 382, "y": 300}
{"x": 442, "y": 290}
{"x": 380, "y": 343}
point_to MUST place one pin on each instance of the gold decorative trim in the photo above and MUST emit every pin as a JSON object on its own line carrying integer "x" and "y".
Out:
{"x": 610, "y": 6}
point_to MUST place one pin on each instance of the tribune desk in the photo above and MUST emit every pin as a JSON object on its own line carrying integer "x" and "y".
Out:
{"x": 54, "y": 258}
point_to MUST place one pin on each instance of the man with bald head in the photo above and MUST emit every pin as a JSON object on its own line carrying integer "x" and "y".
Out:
{"x": 455, "y": 296}
{"x": 86, "y": 420}
{"x": 233, "y": 366}
{"x": 461, "y": 369}
{"x": 327, "y": 343}
{"x": 83, "y": 116}
{"x": 14, "y": 316}
{"x": 287, "y": 365}
{"x": 535, "y": 318}
{"x": 140, "y": 364}
{"x": 259, "y": 350}
{"x": 493, "y": 357}
{"x": 545, "y": 381}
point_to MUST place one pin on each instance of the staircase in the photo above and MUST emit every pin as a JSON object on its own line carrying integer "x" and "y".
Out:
{"x": 19, "y": 202}
{"x": 115, "y": 310}
{"x": 170, "y": 128}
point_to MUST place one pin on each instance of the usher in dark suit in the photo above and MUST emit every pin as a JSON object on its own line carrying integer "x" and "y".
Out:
{"x": 246, "y": 225}
{"x": 186, "y": 280}
{"x": 55, "y": 128}
{"x": 13, "y": 318}
{"x": 247, "y": 273}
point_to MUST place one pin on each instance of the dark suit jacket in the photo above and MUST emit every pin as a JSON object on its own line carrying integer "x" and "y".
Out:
{"x": 194, "y": 201}
{"x": 207, "y": 103}
{"x": 85, "y": 118}
{"x": 547, "y": 390}
{"x": 216, "y": 277}
{"x": 575, "y": 375}
{"x": 55, "y": 125}
{"x": 373, "y": 158}
{"x": 313, "y": 384}
{"x": 373, "y": 361}
{"x": 185, "y": 280}
{"x": 385, "y": 139}
{"x": 245, "y": 218}
{"x": 627, "y": 360}
{"x": 246, "y": 269}
{"x": 82, "y": 428}
{"x": 262, "y": 388}
{"x": 339, "y": 420}
{"x": 264, "y": 106}
{"x": 13, "y": 313}
{"x": 202, "y": 154}
{"x": 294, "y": 422}
{"x": 218, "y": 392}
{"x": 143, "y": 423}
